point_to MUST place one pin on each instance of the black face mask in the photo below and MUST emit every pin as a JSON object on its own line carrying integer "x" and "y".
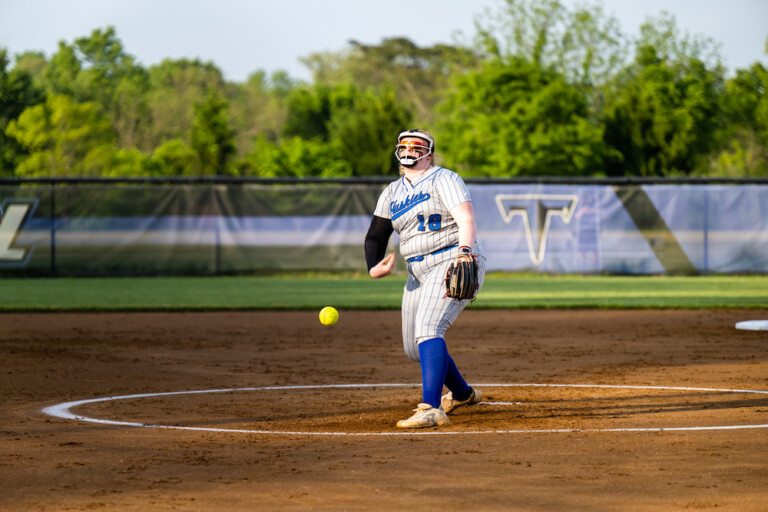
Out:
{"x": 409, "y": 161}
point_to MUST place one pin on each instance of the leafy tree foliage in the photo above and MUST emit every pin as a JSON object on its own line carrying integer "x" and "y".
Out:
{"x": 258, "y": 108}
{"x": 585, "y": 45}
{"x": 512, "y": 118}
{"x": 174, "y": 158}
{"x": 310, "y": 110}
{"x": 61, "y": 73}
{"x": 365, "y": 131}
{"x": 33, "y": 64}
{"x": 128, "y": 163}
{"x": 211, "y": 136}
{"x": 418, "y": 75}
{"x": 295, "y": 156}
{"x": 334, "y": 131}
{"x": 17, "y": 92}
{"x": 671, "y": 45}
{"x": 175, "y": 87}
{"x": 63, "y": 138}
{"x": 661, "y": 112}
{"x": 743, "y": 135}
{"x": 97, "y": 68}
{"x": 541, "y": 89}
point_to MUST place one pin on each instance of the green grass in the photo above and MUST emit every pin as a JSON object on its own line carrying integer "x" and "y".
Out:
{"x": 309, "y": 292}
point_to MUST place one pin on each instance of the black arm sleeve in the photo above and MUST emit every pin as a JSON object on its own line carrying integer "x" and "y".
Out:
{"x": 376, "y": 240}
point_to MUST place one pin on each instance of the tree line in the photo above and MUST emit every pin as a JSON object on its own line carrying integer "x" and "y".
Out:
{"x": 537, "y": 90}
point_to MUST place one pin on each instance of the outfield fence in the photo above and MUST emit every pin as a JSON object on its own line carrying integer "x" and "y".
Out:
{"x": 211, "y": 226}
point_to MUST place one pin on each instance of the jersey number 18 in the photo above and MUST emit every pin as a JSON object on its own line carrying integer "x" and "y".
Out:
{"x": 433, "y": 222}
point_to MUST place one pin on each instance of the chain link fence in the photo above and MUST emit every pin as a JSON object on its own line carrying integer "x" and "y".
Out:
{"x": 213, "y": 226}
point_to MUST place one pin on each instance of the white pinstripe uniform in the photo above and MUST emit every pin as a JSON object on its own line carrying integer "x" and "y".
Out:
{"x": 429, "y": 238}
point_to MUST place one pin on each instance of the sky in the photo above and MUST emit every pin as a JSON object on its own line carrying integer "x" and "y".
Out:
{"x": 243, "y": 36}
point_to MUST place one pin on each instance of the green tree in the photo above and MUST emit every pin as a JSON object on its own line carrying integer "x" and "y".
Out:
{"x": 63, "y": 138}
{"x": 743, "y": 134}
{"x": 127, "y": 163}
{"x": 62, "y": 72}
{"x": 212, "y": 139}
{"x": 33, "y": 64}
{"x": 366, "y": 129}
{"x": 309, "y": 111}
{"x": 257, "y": 108}
{"x": 512, "y": 118}
{"x": 358, "y": 127}
{"x": 176, "y": 86}
{"x": 672, "y": 45}
{"x": 97, "y": 68}
{"x": 17, "y": 92}
{"x": 585, "y": 45}
{"x": 174, "y": 158}
{"x": 295, "y": 156}
{"x": 112, "y": 78}
{"x": 661, "y": 113}
{"x": 418, "y": 75}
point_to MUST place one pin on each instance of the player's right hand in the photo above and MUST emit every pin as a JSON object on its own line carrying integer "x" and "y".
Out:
{"x": 384, "y": 267}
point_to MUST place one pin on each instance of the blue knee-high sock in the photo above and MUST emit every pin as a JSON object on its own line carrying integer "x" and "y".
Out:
{"x": 434, "y": 363}
{"x": 455, "y": 382}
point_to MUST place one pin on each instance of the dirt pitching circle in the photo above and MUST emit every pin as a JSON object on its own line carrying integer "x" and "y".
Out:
{"x": 64, "y": 410}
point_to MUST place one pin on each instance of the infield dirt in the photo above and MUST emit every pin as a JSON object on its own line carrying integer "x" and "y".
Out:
{"x": 49, "y": 463}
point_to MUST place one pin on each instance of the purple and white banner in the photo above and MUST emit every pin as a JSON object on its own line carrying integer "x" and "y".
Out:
{"x": 633, "y": 229}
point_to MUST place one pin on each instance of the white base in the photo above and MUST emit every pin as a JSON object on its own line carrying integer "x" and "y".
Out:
{"x": 753, "y": 325}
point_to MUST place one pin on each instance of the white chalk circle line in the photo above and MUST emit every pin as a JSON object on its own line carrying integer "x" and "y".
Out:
{"x": 753, "y": 325}
{"x": 63, "y": 411}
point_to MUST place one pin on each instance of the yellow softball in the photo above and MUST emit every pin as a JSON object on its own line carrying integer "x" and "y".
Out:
{"x": 329, "y": 315}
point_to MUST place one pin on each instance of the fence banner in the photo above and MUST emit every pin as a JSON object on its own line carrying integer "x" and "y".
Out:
{"x": 649, "y": 229}
{"x": 154, "y": 229}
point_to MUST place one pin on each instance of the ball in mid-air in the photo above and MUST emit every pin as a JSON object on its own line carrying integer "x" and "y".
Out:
{"x": 329, "y": 315}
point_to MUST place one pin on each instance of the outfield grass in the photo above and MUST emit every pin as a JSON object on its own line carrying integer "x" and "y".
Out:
{"x": 310, "y": 292}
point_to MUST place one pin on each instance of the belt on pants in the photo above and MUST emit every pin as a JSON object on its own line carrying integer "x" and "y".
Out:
{"x": 419, "y": 258}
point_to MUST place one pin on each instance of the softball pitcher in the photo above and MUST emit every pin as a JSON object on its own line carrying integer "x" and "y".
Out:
{"x": 430, "y": 207}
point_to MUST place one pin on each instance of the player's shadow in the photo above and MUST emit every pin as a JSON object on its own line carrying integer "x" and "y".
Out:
{"x": 617, "y": 407}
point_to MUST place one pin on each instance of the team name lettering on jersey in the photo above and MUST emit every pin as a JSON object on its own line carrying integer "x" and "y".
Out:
{"x": 406, "y": 204}
{"x": 421, "y": 211}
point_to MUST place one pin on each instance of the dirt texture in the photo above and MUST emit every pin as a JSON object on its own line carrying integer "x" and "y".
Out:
{"x": 583, "y": 411}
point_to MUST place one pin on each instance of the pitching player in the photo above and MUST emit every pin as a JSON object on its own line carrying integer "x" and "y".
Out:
{"x": 430, "y": 207}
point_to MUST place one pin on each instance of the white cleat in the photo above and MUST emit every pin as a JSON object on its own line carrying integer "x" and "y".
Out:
{"x": 426, "y": 416}
{"x": 449, "y": 404}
